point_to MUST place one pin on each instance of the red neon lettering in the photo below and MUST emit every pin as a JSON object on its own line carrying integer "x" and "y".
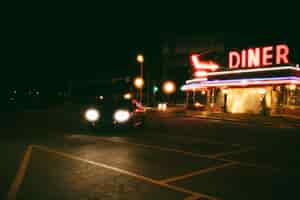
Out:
{"x": 234, "y": 60}
{"x": 254, "y": 57}
{"x": 282, "y": 52}
{"x": 267, "y": 55}
{"x": 244, "y": 59}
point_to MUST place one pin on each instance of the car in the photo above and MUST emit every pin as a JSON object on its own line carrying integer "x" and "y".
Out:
{"x": 162, "y": 106}
{"x": 113, "y": 112}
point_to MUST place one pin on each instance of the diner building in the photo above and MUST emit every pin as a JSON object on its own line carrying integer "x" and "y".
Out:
{"x": 256, "y": 80}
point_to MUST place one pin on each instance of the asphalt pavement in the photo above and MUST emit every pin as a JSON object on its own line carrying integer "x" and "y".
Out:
{"x": 49, "y": 156}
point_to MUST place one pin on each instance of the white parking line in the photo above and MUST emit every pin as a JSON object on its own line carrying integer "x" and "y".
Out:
{"x": 232, "y": 152}
{"x": 192, "y": 198}
{"x": 198, "y": 139}
{"x": 199, "y": 172}
{"x": 188, "y": 153}
{"x": 156, "y": 147}
{"x": 121, "y": 171}
{"x": 14, "y": 188}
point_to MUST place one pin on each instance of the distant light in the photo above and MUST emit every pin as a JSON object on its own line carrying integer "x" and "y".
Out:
{"x": 203, "y": 92}
{"x": 101, "y": 97}
{"x": 139, "y": 82}
{"x": 155, "y": 89}
{"x": 197, "y": 104}
{"x": 162, "y": 106}
{"x": 169, "y": 87}
{"x": 127, "y": 96}
{"x": 15, "y": 91}
{"x": 140, "y": 58}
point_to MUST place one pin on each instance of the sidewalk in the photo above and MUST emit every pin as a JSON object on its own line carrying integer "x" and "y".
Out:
{"x": 282, "y": 120}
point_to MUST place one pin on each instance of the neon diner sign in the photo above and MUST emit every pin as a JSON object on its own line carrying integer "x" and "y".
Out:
{"x": 259, "y": 57}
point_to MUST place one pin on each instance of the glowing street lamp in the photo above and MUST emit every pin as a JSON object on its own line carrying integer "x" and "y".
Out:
{"x": 127, "y": 96}
{"x": 169, "y": 87}
{"x": 140, "y": 83}
{"x": 140, "y": 58}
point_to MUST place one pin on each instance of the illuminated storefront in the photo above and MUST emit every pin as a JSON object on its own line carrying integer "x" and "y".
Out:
{"x": 256, "y": 80}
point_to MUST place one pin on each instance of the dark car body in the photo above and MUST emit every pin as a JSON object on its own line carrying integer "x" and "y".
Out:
{"x": 107, "y": 106}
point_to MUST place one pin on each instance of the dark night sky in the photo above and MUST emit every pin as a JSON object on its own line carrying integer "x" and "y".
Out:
{"x": 44, "y": 45}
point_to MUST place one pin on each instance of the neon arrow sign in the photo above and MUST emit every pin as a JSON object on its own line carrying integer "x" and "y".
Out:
{"x": 202, "y": 67}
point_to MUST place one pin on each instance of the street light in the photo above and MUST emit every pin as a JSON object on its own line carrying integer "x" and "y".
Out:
{"x": 139, "y": 83}
{"x": 140, "y": 59}
{"x": 169, "y": 87}
{"x": 127, "y": 96}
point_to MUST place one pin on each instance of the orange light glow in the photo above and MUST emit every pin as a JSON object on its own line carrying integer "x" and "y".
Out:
{"x": 140, "y": 58}
{"x": 197, "y": 104}
{"x": 169, "y": 87}
{"x": 139, "y": 82}
{"x": 127, "y": 96}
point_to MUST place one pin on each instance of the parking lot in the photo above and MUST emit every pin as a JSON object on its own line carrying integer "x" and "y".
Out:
{"x": 165, "y": 163}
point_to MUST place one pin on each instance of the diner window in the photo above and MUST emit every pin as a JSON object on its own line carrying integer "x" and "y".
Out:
{"x": 293, "y": 96}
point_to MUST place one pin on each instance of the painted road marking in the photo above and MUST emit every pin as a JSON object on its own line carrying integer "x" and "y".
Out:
{"x": 192, "y": 198}
{"x": 242, "y": 122}
{"x": 199, "y": 172}
{"x": 121, "y": 171}
{"x": 14, "y": 188}
{"x": 156, "y": 147}
{"x": 198, "y": 139}
{"x": 232, "y": 152}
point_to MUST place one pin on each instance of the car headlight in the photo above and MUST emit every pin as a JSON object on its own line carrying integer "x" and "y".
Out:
{"x": 92, "y": 115}
{"x": 121, "y": 116}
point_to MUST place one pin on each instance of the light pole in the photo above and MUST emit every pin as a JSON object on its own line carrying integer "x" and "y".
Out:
{"x": 139, "y": 83}
{"x": 140, "y": 59}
